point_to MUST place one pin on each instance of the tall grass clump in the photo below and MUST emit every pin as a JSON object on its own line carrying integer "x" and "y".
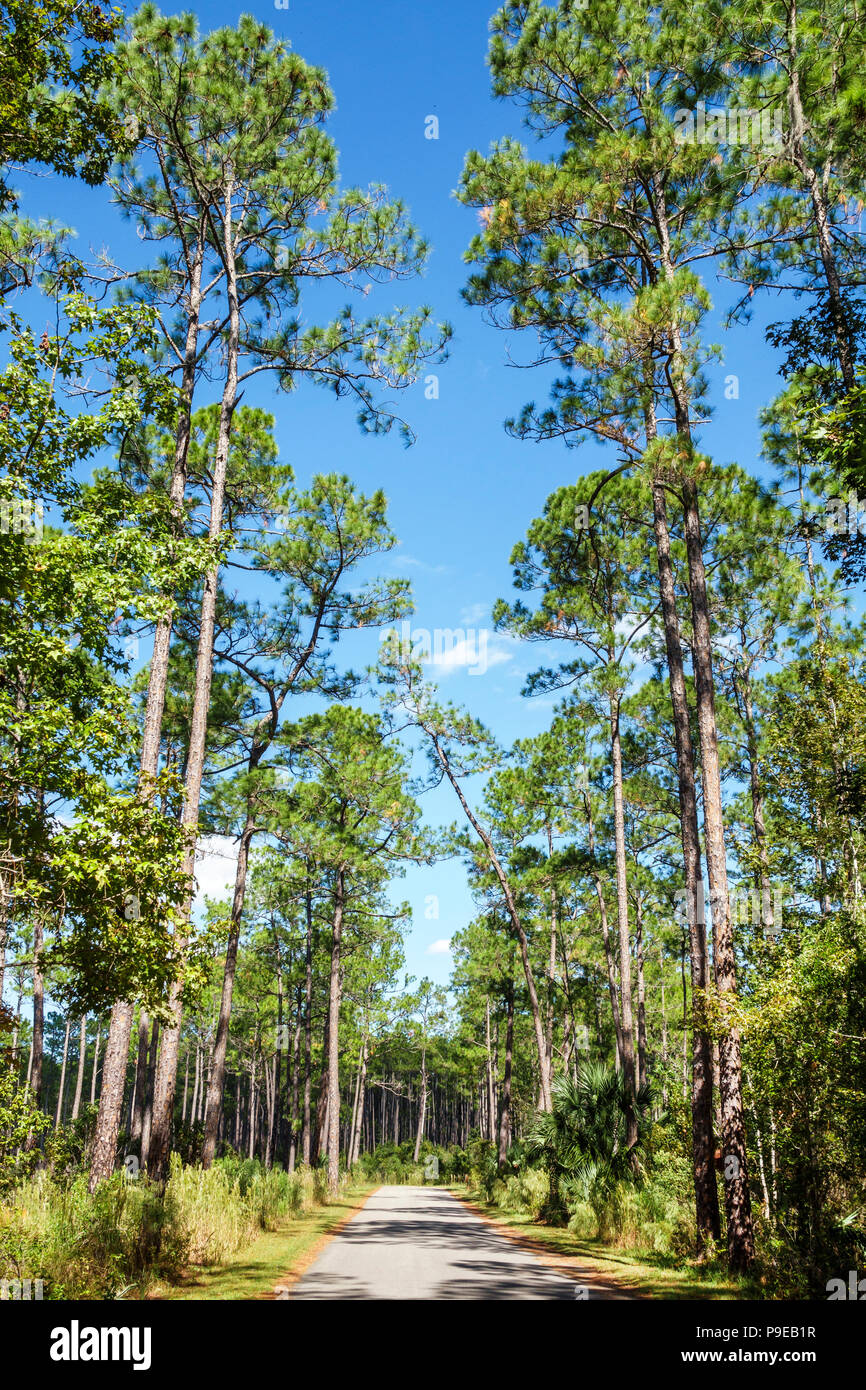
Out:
{"x": 117, "y": 1241}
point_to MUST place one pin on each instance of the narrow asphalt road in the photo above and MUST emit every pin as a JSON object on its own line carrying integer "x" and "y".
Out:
{"x": 421, "y": 1243}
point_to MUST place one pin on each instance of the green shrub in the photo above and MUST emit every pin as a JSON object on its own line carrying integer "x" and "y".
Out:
{"x": 128, "y": 1233}
{"x": 21, "y": 1125}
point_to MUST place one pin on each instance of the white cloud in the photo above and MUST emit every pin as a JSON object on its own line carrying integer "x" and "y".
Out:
{"x": 399, "y": 559}
{"x": 442, "y": 947}
{"x": 474, "y": 652}
{"x": 216, "y": 859}
{"x": 475, "y": 613}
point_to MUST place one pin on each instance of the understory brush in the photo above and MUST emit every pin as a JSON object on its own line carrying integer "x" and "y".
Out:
{"x": 394, "y": 1163}
{"x": 119, "y": 1239}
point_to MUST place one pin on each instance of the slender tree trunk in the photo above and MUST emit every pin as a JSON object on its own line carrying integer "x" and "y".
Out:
{"x": 334, "y": 991}
{"x": 535, "y": 1008}
{"x": 79, "y": 1079}
{"x": 140, "y": 1077}
{"x": 551, "y": 968}
{"x": 321, "y": 1136}
{"x": 491, "y": 1103}
{"x": 741, "y": 1244}
{"x": 664, "y": 1022}
{"x": 95, "y": 1071}
{"x": 355, "y": 1150}
{"x": 306, "y": 1137}
{"x": 759, "y": 828}
{"x": 147, "y": 1117}
{"x": 296, "y": 1066}
{"x": 703, "y": 1147}
{"x": 36, "y": 1074}
{"x": 238, "y": 1108}
{"x": 5, "y": 904}
{"x": 605, "y": 936}
{"x": 641, "y": 995}
{"x": 59, "y": 1114}
{"x": 628, "y": 1064}
{"x": 422, "y": 1106}
{"x": 356, "y": 1093}
{"x": 274, "y": 1118}
{"x": 218, "y": 1071}
{"x": 505, "y": 1107}
{"x": 253, "y": 1105}
{"x": 196, "y": 1083}
{"x": 740, "y": 1237}
{"x": 185, "y": 1087}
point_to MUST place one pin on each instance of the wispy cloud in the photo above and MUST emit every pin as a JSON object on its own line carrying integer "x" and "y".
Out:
{"x": 475, "y": 613}
{"x": 473, "y": 653}
{"x": 442, "y": 947}
{"x": 400, "y": 560}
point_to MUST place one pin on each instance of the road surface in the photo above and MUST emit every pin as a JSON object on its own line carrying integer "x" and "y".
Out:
{"x": 421, "y": 1243}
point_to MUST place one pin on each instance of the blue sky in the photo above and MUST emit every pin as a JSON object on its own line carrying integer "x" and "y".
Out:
{"x": 465, "y": 492}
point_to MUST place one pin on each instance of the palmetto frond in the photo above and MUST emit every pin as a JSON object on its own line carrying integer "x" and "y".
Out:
{"x": 587, "y": 1125}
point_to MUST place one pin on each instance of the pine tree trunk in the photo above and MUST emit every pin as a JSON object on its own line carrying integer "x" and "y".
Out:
{"x": 642, "y": 1077}
{"x": 185, "y": 1088}
{"x": 491, "y": 1103}
{"x": 664, "y": 1028}
{"x": 741, "y": 1245}
{"x": 422, "y": 1106}
{"x": 605, "y": 937}
{"x": 759, "y": 828}
{"x": 79, "y": 1079}
{"x": 195, "y": 1085}
{"x": 253, "y": 1107}
{"x": 296, "y": 1065}
{"x": 551, "y": 970}
{"x": 274, "y": 1119}
{"x": 703, "y": 1147}
{"x": 59, "y": 1114}
{"x": 535, "y": 1008}
{"x": 5, "y": 904}
{"x": 140, "y": 1078}
{"x": 306, "y": 1137}
{"x": 147, "y": 1116}
{"x": 627, "y": 1021}
{"x": 818, "y": 193}
{"x": 218, "y": 1071}
{"x": 505, "y": 1107}
{"x": 166, "y": 1080}
{"x": 120, "y": 1027}
{"x": 94, "y": 1072}
{"x": 362, "y": 1095}
{"x": 321, "y": 1135}
{"x": 355, "y": 1095}
{"x": 36, "y": 1074}
{"x": 334, "y": 991}
{"x": 740, "y": 1237}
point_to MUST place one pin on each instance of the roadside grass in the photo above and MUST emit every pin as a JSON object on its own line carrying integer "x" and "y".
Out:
{"x": 639, "y": 1272}
{"x": 276, "y": 1257}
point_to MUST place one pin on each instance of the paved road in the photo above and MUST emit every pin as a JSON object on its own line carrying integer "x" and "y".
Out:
{"x": 421, "y": 1243}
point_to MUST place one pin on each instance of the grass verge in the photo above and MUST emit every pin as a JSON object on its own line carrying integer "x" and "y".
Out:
{"x": 636, "y": 1274}
{"x": 277, "y": 1257}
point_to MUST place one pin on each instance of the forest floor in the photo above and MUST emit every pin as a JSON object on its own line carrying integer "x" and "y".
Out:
{"x": 640, "y": 1273}
{"x": 274, "y": 1261}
